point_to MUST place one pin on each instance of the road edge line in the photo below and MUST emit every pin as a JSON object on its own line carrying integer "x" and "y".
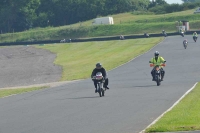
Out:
{"x": 143, "y": 131}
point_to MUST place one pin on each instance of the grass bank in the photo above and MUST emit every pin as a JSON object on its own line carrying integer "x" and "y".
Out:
{"x": 125, "y": 23}
{"x": 91, "y": 31}
{"x": 79, "y": 59}
{"x": 183, "y": 117}
{"x": 8, "y": 92}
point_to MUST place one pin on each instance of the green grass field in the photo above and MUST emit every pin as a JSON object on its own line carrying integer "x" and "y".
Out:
{"x": 183, "y": 117}
{"x": 79, "y": 59}
{"x": 125, "y": 23}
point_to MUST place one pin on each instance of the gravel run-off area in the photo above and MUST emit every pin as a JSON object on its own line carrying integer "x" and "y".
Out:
{"x": 26, "y": 66}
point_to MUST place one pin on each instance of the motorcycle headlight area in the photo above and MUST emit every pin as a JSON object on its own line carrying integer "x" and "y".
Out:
{"x": 99, "y": 77}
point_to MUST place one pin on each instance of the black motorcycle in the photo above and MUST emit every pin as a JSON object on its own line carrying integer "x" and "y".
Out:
{"x": 195, "y": 38}
{"x": 157, "y": 74}
{"x": 100, "y": 83}
{"x": 185, "y": 43}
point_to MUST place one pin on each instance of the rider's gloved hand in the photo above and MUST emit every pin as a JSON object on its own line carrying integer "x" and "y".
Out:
{"x": 93, "y": 78}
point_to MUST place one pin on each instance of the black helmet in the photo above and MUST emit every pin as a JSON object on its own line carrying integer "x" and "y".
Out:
{"x": 156, "y": 53}
{"x": 98, "y": 65}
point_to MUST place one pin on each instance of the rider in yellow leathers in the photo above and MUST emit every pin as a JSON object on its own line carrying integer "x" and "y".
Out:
{"x": 157, "y": 60}
{"x": 195, "y": 35}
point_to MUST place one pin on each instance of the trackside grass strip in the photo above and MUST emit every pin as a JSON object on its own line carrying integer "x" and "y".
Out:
{"x": 79, "y": 59}
{"x": 8, "y": 92}
{"x": 185, "y": 116}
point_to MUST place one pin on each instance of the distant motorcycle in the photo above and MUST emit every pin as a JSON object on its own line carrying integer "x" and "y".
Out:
{"x": 195, "y": 38}
{"x": 121, "y": 37}
{"x": 185, "y": 43}
{"x": 100, "y": 83}
{"x": 164, "y": 33}
{"x": 157, "y": 73}
{"x": 182, "y": 34}
{"x": 146, "y": 35}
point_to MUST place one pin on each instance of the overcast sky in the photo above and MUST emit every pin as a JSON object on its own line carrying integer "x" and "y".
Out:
{"x": 173, "y": 1}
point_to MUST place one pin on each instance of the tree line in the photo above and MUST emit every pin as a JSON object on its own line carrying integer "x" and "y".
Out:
{"x": 20, "y": 15}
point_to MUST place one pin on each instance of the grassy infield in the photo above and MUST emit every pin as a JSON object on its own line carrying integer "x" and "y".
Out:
{"x": 78, "y": 59}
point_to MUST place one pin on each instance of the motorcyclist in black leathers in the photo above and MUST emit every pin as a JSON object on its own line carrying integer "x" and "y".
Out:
{"x": 99, "y": 68}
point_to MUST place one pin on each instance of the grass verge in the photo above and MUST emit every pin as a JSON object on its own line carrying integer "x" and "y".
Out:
{"x": 8, "y": 92}
{"x": 79, "y": 59}
{"x": 183, "y": 117}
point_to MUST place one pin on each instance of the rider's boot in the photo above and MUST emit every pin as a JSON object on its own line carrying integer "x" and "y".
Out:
{"x": 152, "y": 74}
{"x": 106, "y": 87}
{"x": 153, "y": 79}
{"x": 162, "y": 77}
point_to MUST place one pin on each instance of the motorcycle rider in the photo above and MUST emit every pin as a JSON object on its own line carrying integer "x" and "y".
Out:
{"x": 157, "y": 60}
{"x": 195, "y": 35}
{"x": 185, "y": 41}
{"x": 99, "y": 68}
{"x": 164, "y": 33}
{"x": 181, "y": 30}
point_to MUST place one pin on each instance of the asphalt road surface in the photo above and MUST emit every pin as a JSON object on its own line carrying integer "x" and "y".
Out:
{"x": 131, "y": 104}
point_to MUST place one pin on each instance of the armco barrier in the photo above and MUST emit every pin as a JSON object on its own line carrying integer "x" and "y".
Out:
{"x": 29, "y": 43}
{"x": 93, "y": 39}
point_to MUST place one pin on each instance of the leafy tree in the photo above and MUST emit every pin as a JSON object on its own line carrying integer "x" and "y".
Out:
{"x": 17, "y": 15}
{"x": 154, "y": 3}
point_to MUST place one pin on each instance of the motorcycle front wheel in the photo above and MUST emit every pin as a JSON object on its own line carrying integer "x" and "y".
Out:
{"x": 99, "y": 90}
{"x": 158, "y": 81}
{"x": 185, "y": 46}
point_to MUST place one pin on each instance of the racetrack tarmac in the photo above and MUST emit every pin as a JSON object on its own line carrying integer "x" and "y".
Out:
{"x": 131, "y": 104}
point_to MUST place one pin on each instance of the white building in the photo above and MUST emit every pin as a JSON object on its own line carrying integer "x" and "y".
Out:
{"x": 103, "y": 20}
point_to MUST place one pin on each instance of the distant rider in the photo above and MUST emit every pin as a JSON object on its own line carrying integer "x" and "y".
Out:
{"x": 195, "y": 35}
{"x": 185, "y": 41}
{"x": 121, "y": 37}
{"x": 157, "y": 60}
{"x": 181, "y": 30}
{"x": 99, "y": 68}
